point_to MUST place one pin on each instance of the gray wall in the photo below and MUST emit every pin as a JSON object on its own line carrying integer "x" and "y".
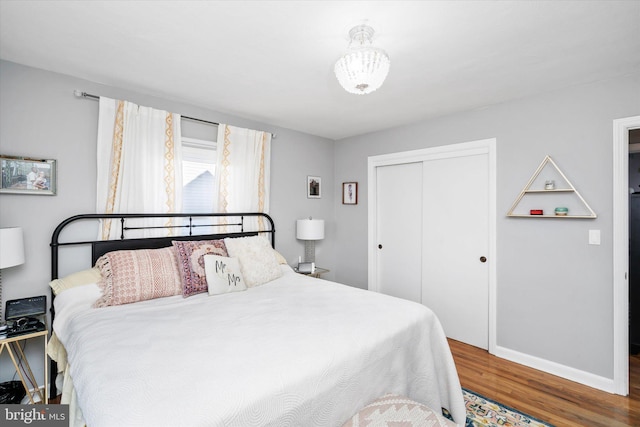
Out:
{"x": 554, "y": 291}
{"x": 40, "y": 117}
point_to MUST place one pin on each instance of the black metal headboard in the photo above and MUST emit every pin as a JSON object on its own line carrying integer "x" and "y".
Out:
{"x": 233, "y": 224}
{"x": 100, "y": 247}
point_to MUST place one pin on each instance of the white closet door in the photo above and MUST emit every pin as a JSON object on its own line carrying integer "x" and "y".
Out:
{"x": 399, "y": 230}
{"x": 456, "y": 238}
{"x": 431, "y": 213}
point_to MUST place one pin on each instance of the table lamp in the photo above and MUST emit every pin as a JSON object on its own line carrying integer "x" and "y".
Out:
{"x": 11, "y": 253}
{"x": 310, "y": 230}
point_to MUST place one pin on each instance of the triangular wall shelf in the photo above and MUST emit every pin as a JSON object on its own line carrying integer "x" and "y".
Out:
{"x": 537, "y": 197}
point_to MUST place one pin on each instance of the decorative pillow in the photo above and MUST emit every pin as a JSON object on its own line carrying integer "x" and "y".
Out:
{"x": 393, "y": 410}
{"x": 137, "y": 275}
{"x": 257, "y": 259}
{"x": 190, "y": 255}
{"x": 223, "y": 274}
{"x": 80, "y": 278}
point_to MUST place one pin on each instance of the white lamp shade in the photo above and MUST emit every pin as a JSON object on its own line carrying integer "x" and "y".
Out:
{"x": 310, "y": 229}
{"x": 11, "y": 247}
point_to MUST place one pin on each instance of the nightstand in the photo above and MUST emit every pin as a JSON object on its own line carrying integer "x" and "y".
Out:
{"x": 16, "y": 353}
{"x": 317, "y": 273}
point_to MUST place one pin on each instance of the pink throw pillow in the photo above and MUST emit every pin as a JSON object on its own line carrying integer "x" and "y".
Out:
{"x": 137, "y": 275}
{"x": 190, "y": 254}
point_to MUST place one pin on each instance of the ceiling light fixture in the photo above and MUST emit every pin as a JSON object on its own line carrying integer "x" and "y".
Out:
{"x": 363, "y": 68}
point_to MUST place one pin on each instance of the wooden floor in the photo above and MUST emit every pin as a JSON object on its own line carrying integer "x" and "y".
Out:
{"x": 544, "y": 396}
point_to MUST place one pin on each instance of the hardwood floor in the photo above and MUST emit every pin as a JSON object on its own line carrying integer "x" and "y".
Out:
{"x": 544, "y": 396}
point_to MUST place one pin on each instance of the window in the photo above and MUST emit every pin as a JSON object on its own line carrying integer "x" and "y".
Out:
{"x": 198, "y": 173}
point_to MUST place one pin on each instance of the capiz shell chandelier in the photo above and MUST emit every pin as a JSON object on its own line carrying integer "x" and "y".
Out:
{"x": 363, "y": 68}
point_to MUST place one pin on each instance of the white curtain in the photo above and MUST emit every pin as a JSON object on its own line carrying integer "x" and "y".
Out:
{"x": 139, "y": 166}
{"x": 243, "y": 171}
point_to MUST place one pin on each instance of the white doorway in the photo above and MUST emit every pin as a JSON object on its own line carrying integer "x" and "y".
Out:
{"x": 621, "y": 128}
{"x": 439, "y": 235}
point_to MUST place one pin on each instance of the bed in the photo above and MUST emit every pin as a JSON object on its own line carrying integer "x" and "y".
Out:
{"x": 291, "y": 351}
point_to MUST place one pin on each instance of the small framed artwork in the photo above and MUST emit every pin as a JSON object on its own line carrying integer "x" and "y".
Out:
{"x": 314, "y": 190}
{"x": 25, "y": 175}
{"x": 349, "y": 193}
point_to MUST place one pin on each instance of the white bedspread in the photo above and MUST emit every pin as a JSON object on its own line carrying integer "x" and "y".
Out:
{"x": 297, "y": 351}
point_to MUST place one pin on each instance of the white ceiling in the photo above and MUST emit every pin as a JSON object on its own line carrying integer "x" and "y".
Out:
{"x": 272, "y": 61}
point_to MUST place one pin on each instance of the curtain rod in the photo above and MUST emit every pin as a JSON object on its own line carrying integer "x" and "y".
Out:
{"x": 80, "y": 94}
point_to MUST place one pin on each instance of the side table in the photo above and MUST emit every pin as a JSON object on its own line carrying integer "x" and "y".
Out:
{"x": 12, "y": 344}
{"x": 317, "y": 273}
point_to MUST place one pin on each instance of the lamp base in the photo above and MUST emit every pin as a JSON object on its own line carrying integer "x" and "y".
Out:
{"x": 309, "y": 251}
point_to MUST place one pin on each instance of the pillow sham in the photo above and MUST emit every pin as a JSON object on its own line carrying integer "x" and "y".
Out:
{"x": 223, "y": 274}
{"x": 137, "y": 275}
{"x": 257, "y": 259}
{"x": 190, "y": 255}
{"x": 79, "y": 278}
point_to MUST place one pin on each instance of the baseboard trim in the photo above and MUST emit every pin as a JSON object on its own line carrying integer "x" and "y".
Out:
{"x": 567, "y": 372}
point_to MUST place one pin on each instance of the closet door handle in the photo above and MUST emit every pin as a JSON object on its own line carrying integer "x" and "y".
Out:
{"x": 483, "y": 259}
{"x": 379, "y": 246}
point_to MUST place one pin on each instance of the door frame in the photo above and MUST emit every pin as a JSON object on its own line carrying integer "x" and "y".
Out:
{"x": 621, "y": 128}
{"x": 484, "y": 146}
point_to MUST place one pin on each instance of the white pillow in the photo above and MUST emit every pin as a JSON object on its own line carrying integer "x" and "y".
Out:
{"x": 80, "y": 278}
{"x": 257, "y": 259}
{"x": 223, "y": 274}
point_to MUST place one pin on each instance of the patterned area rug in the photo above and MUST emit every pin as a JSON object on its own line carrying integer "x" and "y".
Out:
{"x": 484, "y": 412}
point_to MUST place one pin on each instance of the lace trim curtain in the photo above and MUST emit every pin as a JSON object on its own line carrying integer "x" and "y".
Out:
{"x": 243, "y": 171}
{"x": 139, "y": 166}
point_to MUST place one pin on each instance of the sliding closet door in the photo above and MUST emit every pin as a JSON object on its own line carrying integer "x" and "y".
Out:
{"x": 399, "y": 213}
{"x": 431, "y": 234}
{"x": 455, "y": 248}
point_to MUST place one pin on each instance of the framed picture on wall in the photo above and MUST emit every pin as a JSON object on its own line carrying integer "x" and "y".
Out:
{"x": 349, "y": 193}
{"x": 314, "y": 190}
{"x": 26, "y": 175}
